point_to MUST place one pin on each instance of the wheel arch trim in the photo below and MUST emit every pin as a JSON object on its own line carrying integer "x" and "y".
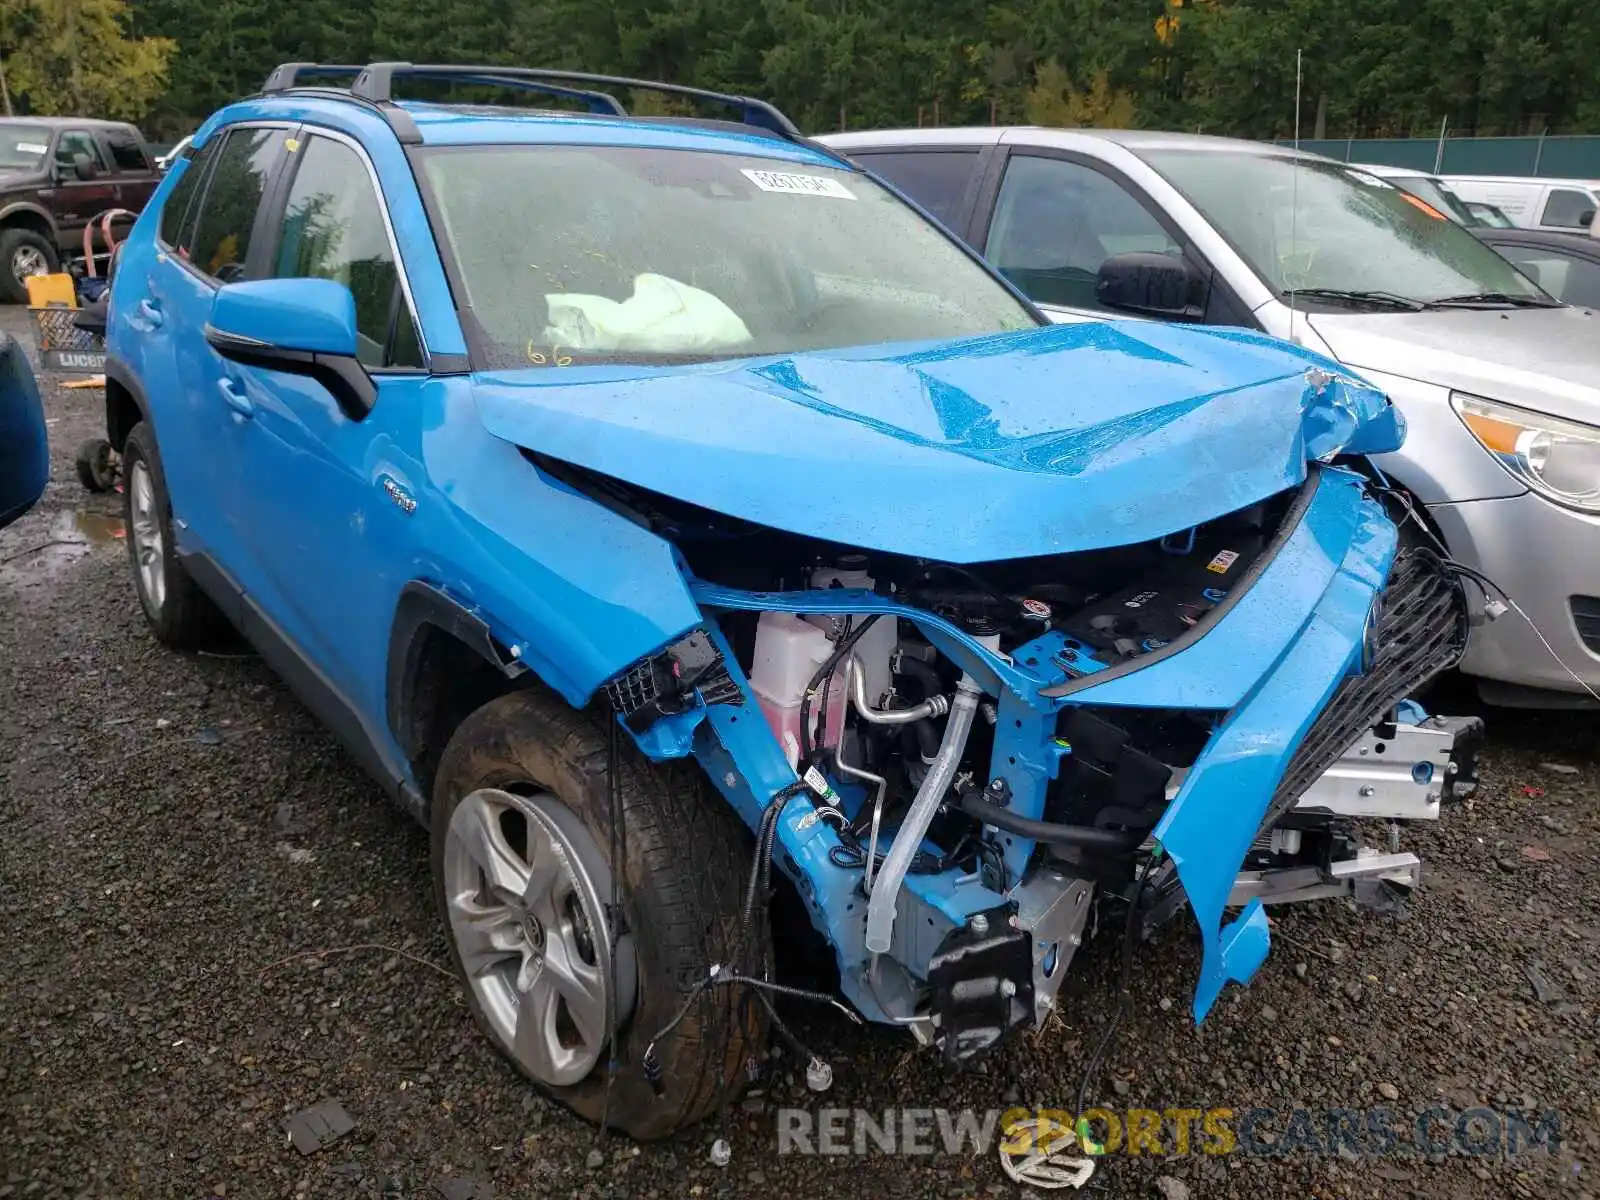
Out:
{"x": 118, "y": 372}
{"x": 27, "y": 208}
{"x": 425, "y": 607}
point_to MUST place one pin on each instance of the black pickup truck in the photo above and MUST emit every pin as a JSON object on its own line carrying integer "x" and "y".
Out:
{"x": 57, "y": 174}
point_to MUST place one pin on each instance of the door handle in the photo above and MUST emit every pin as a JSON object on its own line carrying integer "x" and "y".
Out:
{"x": 151, "y": 312}
{"x": 235, "y": 399}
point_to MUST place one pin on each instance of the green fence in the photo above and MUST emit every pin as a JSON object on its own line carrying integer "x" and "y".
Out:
{"x": 1564, "y": 157}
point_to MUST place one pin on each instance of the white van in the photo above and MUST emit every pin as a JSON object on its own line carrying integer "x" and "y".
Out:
{"x": 1563, "y": 204}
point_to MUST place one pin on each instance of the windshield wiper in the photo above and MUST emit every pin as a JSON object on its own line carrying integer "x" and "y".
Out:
{"x": 1493, "y": 299}
{"x": 1370, "y": 299}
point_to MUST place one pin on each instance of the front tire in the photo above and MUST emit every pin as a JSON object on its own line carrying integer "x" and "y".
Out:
{"x": 23, "y": 253}
{"x": 179, "y": 613}
{"x": 523, "y": 868}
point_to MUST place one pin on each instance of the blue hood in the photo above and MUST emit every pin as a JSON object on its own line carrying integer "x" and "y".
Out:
{"x": 1055, "y": 440}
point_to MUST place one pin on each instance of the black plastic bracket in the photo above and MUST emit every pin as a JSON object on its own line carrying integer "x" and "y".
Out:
{"x": 982, "y": 983}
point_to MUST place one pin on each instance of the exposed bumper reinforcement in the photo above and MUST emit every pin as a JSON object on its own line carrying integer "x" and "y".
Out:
{"x": 1398, "y": 772}
{"x": 1371, "y": 878}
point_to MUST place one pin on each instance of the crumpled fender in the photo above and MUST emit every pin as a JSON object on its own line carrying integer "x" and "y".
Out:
{"x": 1210, "y": 824}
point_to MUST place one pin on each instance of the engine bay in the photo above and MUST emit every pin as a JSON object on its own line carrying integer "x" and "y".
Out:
{"x": 981, "y": 811}
{"x": 865, "y": 698}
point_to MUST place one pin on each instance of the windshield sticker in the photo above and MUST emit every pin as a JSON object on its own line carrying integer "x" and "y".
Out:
{"x": 1223, "y": 560}
{"x": 32, "y": 148}
{"x": 798, "y": 185}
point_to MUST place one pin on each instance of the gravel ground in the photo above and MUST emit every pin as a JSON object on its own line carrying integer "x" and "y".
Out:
{"x": 180, "y": 839}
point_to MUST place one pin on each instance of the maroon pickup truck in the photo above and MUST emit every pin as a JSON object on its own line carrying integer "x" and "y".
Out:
{"x": 56, "y": 174}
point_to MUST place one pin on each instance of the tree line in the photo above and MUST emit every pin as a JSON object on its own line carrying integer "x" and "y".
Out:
{"x": 1370, "y": 67}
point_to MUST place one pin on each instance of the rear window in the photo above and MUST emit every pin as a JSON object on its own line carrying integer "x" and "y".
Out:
{"x": 126, "y": 150}
{"x": 630, "y": 254}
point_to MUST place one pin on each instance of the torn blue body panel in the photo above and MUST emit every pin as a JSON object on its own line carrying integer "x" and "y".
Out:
{"x": 1291, "y": 639}
{"x": 1038, "y": 442}
{"x": 1211, "y": 823}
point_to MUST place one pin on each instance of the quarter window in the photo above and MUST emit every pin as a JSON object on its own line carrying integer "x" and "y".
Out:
{"x": 333, "y": 228}
{"x": 228, "y": 212}
{"x": 1565, "y": 209}
{"x": 179, "y": 205}
{"x": 1056, "y": 221}
{"x": 935, "y": 179}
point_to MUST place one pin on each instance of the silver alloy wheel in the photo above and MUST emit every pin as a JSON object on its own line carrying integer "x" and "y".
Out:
{"x": 148, "y": 545}
{"x": 28, "y": 260}
{"x": 526, "y": 889}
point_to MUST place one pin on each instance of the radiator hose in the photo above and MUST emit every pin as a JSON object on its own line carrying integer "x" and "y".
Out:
{"x": 886, "y": 887}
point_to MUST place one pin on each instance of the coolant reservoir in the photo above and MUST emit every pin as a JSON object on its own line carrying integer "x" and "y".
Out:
{"x": 789, "y": 650}
{"x": 874, "y": 648}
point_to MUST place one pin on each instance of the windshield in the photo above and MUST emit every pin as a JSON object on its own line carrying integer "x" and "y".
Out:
{"x": 22, "y": 147}
{"x": 1330, "y": 227}
{"x": 645, "y": 255}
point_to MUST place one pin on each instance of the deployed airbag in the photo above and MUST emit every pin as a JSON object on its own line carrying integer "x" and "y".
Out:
{"x": 663, "y": 316}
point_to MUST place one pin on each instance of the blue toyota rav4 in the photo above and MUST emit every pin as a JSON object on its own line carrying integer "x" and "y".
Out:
{"x": 664, "y": 509}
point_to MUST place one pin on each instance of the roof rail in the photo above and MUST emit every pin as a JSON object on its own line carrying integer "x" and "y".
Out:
{"x": 376, "y": 81}
{"x": 286, "y": 75}
{"x": 285, "y": 78}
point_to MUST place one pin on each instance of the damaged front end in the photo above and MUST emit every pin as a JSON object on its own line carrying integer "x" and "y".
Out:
{"x": 995, "y": 748}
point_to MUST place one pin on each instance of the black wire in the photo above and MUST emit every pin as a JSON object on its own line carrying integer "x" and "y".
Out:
{"x": 800, "y": 1049}
{"x": 969, "y": 576}
{"x": 766, "y": 835}
{"x": 1135, "y": 904}
{"x": 851, "y": 855}
{"x": 825, "y": 672}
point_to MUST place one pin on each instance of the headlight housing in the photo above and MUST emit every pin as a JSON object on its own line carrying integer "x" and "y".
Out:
{"x": 1557, "y": 458}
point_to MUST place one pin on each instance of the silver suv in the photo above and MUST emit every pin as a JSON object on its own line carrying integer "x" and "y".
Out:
{"x": 1499, "y": 382}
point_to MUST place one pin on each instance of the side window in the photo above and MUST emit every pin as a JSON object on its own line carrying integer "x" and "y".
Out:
{"x": 935, "y": 179}
{"x": 333, "y": 228}
{"x": 126, "y": 151}
{"x": 1565, "y": 208}
{"x": 1055, "y": 222}
{"x": 179, "y": 206}
{"x": 74, "y": 142}
{"x": 228, "y": 211}
{"x": 1572, "y": 280}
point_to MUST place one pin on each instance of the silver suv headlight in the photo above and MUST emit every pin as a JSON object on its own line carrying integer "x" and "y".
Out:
{"x": 1557, "y": 458}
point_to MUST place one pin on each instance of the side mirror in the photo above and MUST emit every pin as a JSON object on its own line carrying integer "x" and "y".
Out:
{"x": 83, "y": 167}
{"x": 1157, "y": 285}
{"x": 297, "y": 327}
{"x": 1586, "y": 219}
